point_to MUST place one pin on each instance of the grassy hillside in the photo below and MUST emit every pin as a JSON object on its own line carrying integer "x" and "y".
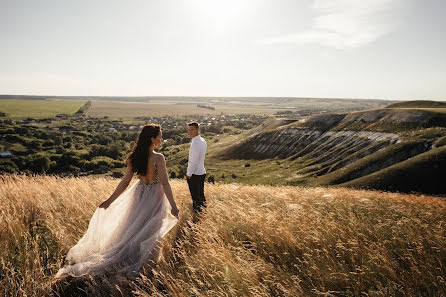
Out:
{"x": 392, "y": 120}
{"x": 252, "y": 241}
{"x": 405, "y": 176}
{"x": 418, "y": 104}
{"x": 373, "y": 162}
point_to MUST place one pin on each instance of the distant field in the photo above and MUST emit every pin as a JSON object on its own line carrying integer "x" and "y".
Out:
{"x": 126, "y": 110}
{"x": 19, "y": 109}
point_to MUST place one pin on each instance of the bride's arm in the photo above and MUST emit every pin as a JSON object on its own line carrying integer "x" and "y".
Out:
{"x": 162, "y": 173}
{"x": 121, "y": 186}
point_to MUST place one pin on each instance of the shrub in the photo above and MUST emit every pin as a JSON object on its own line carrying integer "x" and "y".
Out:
{"x": 182, "y": 172}
{"x": 60, "y": 149}
{"x": 214, "y": 129}
{"x": 119, "y": 164}
{"x": 112, "y": 151}
{"x": 48, "y": 143}
{"x": 41, "y": 164}
{"x": 35, "y": 144}
{"x": 68, "y": 159}
{"x": 72, "y": 168}
{"x": 8, "y": 166}
{"x": 58, "y": 140}
{"x": 117, "y": 174}
{"x": 14, "y": 138}
{"x": 97, "y": 162}
{"x": 21, "y": 130}
{"x": 211, "y": 179}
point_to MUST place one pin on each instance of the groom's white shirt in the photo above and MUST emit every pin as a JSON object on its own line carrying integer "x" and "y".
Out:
{"x": 197, "y": 152}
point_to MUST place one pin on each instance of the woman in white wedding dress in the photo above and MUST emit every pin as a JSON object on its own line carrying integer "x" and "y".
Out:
{"x": 126, "y": 230}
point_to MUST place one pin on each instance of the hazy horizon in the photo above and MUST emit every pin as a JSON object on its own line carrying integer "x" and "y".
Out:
{"x": 192, "y": 96}
{"x": 340, "y": 49}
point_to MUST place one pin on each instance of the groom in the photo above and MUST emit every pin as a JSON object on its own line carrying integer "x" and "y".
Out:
{"x": 196, "y": 173}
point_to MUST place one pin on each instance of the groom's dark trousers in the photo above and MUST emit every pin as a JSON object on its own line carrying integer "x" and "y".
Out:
{"x": 196, "y": 188}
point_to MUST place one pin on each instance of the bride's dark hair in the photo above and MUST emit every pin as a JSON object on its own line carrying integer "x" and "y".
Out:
{"x": 140, "y": 152}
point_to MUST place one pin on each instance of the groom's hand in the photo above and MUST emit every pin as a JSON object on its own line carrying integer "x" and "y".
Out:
{"x": 188, "y": 176}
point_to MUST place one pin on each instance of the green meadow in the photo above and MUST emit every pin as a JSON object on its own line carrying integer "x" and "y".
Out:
{"x": 21, "y": 109}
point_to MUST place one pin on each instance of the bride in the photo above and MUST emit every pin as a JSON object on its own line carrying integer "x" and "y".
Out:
{"x": 126, "y": 229}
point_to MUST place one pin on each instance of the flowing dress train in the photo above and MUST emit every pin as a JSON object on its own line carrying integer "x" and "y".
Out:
{"x": 125, "y": 235}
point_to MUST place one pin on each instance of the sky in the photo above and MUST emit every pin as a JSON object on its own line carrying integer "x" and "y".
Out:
{"x": 380, "y": 49}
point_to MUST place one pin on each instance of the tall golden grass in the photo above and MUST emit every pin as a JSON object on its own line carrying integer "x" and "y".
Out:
{"x": 251, "y": 241}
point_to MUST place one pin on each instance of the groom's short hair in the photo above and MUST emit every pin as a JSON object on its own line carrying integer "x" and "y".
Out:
{"x": 194, "y": 124}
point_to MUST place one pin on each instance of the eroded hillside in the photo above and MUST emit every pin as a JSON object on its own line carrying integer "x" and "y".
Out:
{"x": 396, "y": 145}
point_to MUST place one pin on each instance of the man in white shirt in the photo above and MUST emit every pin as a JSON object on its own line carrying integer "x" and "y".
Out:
{"x": 196, "y": 173}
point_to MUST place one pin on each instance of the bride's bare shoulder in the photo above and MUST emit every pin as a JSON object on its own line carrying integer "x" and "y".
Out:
{"x": 159, "y": 157}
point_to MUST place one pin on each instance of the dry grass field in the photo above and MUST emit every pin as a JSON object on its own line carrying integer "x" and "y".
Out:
{"x": 130, "y": 110}
{"x": 252, "y": 241}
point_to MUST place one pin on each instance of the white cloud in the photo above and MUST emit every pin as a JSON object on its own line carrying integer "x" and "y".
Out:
{"x": 344, "y": 24}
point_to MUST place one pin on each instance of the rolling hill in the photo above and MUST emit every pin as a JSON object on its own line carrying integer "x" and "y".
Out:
{"x": 395, "y": 149}
{"x": 418, "y": 104}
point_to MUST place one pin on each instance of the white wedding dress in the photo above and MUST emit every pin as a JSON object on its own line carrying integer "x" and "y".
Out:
{"x": 124, "y": 236}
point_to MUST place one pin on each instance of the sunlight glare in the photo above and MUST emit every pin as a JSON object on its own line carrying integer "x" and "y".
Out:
{"x": 221, "y": 13}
